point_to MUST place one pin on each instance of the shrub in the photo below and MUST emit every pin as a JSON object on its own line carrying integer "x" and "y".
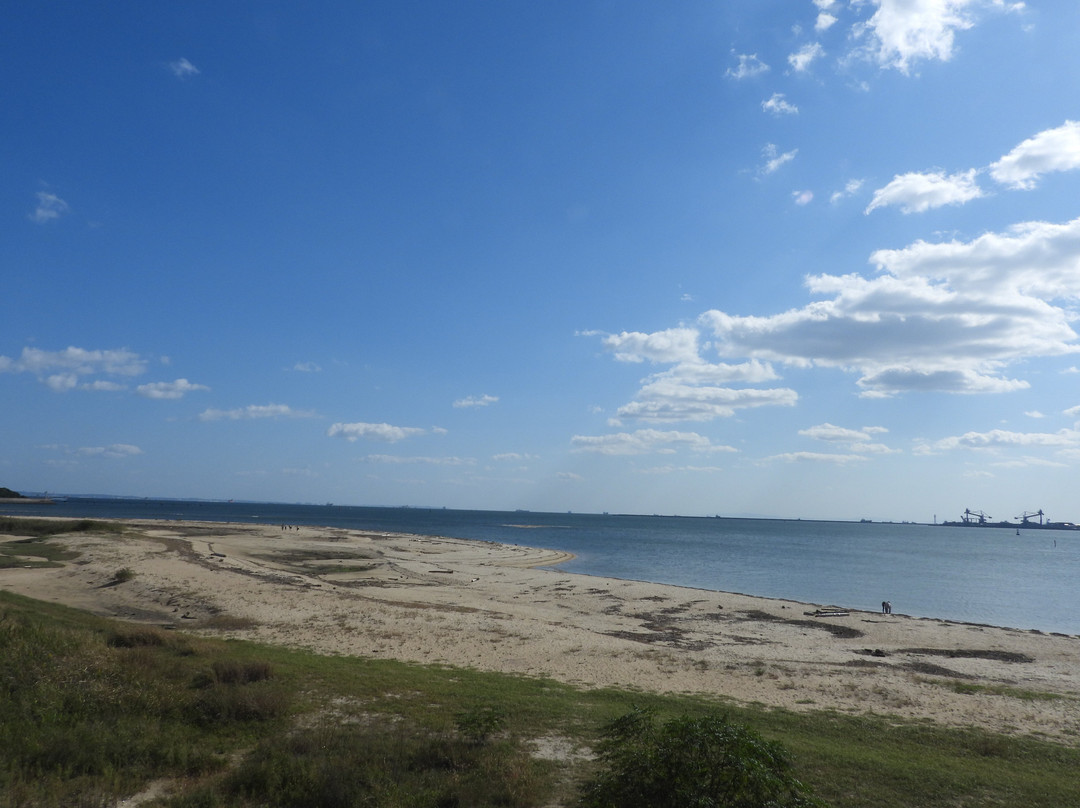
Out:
{"x": 703, "y": 761}
{"x": 480, "y": 723}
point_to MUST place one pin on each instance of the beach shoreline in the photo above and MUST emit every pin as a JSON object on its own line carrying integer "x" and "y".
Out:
{"x": 508, "y": 608}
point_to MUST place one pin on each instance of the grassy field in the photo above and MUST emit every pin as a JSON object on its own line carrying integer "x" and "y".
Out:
{"x": 93, "y": 710}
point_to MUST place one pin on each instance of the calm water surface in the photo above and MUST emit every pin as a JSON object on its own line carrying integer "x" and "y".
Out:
{"x": 987, "y": 575}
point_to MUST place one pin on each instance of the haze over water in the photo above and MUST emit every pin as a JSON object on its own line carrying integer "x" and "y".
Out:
{"x": 985, "y": 575}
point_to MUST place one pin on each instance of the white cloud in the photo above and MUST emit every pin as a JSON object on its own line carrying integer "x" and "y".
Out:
{"x": 774, "y": 159}
{"x": 915, "y": 192}
{"x": 851, "y": 187}
{"x": 101, "y": 385}
{"x": 645, "y": 441}
{"x": 700, "y": 372}
{"x": 306, "y": 367}
{"x": 1034, "y": 414}
{"x": 427, "y": 461}
{"x": 62, "y": 370}
{"x": 677, "y": 469}
{"x": 902, "y": 32}
{"x": 778, "y": 105}
{"x": 748, "y": 67}
{"x": 1031, "y": 259}
{"x": 671, "y": 345}
{"x": 253, "y": 411}
{"x": 61, "y": 382}
{"x": 838, "y": 434}
{"x": 801, "y": 60}
{"x": 818, "y": 457}
{"x": 943, "y": 317}
{"x": 665, "y": 401}
{"x": 383, "y": 432}
{"x": 183, "y": 69}
{"x": 168, "y": 390}
{"x": 824, "y": 22}
{"x": 1027, "y": 462}
{"x": 1050, "y": 150}
{"x": 802, "y": 197}
{"x": 115, "y": 451}
{"x": 49, "y": 207}
{"x": 476, "y": 401}
{"x": 1072, "y": 412}
{"x": 1001, "y": 438}
{"x": 856, "y": 440}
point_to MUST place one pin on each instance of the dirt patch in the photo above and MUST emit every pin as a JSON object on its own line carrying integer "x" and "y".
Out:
{"x": 843, "y": 632}
{"x": 930, "y": 669}
{"x": 967, "y": 653}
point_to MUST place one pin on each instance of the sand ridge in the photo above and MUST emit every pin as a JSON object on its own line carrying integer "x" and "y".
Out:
{"x": 508, "y": 608}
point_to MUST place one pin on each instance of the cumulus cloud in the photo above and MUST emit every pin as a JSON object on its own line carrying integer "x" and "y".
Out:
{"x": 63, "y": 370}
{"x": 670, "y": 345}
{"x": 1048, "y": 151}
{"x": 168, "y": 390}
{"x": 914, "y": 192}
{"x": 384, "y": 432}
{"x": 855, "y": 440}
{"x": 693, "y": 389}
{"x": 476, "y": 401}
{"x": 183, "y": 69}
{"x": 645, "y": 441}
{"x": 49, "y": 207}
{"x": 802, "y": 197}
{"x": 824, "y": 21}
{"x": 1030, "y": 260}
{"x": 749, "y": 66}
{"x": 778, "y": 105}
{"x": 665, "y": 401}
{"x": 254, "y": 411}
{"x": 1001, "y": 438}
{"x": 945, "y": 317}
{"x": 801, "y": 60}
{"x": 903, "y": 32}
{"x": 839, "y": 434}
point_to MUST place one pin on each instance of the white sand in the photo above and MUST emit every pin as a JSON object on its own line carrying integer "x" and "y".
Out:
{"x": 487, "y": 606}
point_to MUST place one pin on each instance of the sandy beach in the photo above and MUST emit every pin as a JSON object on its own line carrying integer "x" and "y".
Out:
{"x": 508, "y": 608}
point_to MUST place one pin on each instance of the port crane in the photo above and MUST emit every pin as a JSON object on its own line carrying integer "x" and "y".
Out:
{"x": 971, "y": 517}
{"x": 1026, "y": 516}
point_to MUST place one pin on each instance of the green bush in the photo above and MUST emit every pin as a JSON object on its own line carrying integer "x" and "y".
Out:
{"x": 480, "y": 723}
{"x": 703, "y": 761}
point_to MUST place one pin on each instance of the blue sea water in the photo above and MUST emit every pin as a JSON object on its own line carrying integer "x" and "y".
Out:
{"x": 986, "y": 575}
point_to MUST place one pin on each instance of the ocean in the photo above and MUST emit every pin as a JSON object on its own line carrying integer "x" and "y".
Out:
{"x": 976, "y": 575}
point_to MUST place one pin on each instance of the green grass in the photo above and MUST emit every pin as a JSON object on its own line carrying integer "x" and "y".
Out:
{"x": 36, "y": 549}
{"x": 92, "y": 710}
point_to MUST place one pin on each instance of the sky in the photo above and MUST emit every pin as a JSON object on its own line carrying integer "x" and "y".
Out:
{"x": 789, "y": 258}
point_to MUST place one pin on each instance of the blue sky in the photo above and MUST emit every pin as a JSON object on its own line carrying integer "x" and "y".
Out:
{"x": 802, "y": 259}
